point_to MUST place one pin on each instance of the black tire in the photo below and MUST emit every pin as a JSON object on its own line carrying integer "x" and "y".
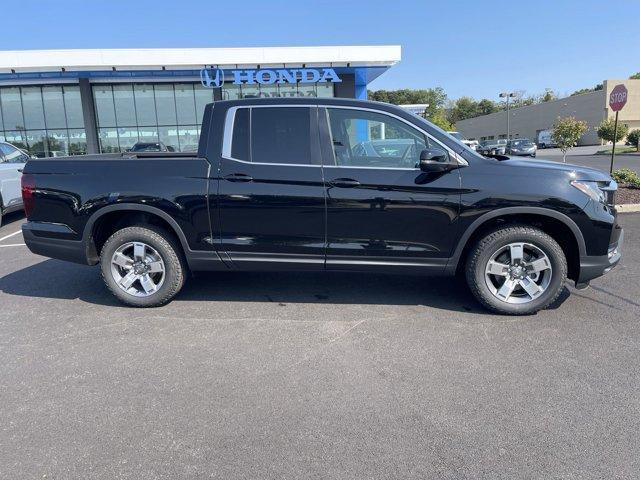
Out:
{"x": 482, "y": 252}
{"x": 168, "y": 249}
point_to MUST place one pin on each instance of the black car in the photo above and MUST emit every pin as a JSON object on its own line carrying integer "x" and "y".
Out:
{"x": 325, "y": 184}
{"x": 521, "y": 147}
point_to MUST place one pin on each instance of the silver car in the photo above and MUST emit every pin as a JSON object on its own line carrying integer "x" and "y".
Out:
{"x": 493, "y": 147}
{"x": 522, "y": 146}
{"x": 12, "y": 161}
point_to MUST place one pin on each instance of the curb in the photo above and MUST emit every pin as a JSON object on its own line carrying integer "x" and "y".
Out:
{"x": 630, "y": 154}
{"x": 628, "y": 208}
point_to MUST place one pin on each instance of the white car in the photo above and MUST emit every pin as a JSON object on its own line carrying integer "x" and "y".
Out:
{"x": 12, "y": 162}
{"x": 472, "y": 144}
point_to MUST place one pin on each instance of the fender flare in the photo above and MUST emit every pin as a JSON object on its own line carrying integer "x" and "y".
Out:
{"x": 453, "y": 262}
{"x": 135, "y": 207}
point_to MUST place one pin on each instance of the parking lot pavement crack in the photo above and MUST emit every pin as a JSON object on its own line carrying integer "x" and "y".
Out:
{"x": 326, "y": 345}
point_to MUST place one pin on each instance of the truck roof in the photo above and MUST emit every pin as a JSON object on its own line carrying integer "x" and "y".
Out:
{"x": 349, "y": 102}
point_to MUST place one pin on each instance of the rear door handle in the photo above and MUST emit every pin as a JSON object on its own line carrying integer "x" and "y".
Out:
{"x": 344, "y": 183}
{"x": 238, "y": 177}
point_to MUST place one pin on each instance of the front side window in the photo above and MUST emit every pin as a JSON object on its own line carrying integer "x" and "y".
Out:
{"x": 369, "y": 139}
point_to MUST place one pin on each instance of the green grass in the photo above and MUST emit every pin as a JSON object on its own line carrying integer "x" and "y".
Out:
{"x": 619, "y": 149}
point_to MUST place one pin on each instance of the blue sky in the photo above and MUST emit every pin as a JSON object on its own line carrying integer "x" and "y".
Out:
{"x": 468, "y": 48}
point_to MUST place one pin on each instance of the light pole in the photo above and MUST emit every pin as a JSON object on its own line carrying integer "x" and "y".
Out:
{"x": 507, "y": 95}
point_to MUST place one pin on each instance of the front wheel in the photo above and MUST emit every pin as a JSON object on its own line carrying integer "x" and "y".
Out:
{"x": 516, "y": 270}
{"x": 142, "y": 266}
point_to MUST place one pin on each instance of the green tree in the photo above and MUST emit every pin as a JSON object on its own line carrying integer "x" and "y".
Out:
{"x": 607, "y": 132}
{"x": 485, "y": 107}
{"x": 439, "y": 119}
{"x": 634, "y": 138}
{"x": 548, "y": 96}
{"x": 566, "y": 133}
{"x": 436, "y": 98}
{"x": 587, "y": 90}
{"x": 524, "y": 101}
{"x": 635, "y": 76}
{"x": 462, "y": 108}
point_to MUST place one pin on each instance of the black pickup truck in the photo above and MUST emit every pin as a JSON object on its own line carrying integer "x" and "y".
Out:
{"x": 325, "y": 184}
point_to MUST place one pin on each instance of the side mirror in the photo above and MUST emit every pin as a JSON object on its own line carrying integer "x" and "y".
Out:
{"x": 435, "y": 160}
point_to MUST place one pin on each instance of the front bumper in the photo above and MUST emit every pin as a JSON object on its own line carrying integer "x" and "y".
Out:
{"x": 522, "y": 153}
{"x": 595, "y": 266}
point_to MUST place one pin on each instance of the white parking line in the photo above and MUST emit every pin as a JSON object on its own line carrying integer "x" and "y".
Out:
{"x": 10, "y": 235}
{"x": 14, "y": 245}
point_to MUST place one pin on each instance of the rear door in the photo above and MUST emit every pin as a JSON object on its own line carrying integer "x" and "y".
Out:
{"x": 12, "y": 161}
{"x": 271, "y": 195}
{"x": 383, "y": 212}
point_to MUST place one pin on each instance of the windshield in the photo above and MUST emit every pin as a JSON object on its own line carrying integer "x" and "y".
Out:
{"x": 521, "y": 143}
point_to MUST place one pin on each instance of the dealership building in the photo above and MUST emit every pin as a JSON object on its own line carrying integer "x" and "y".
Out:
{"x": 60, "y": 102}
{"x": 527, "y": 122}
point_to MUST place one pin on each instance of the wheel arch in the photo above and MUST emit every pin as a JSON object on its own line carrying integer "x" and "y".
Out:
{"x": 131, "y": 212}
{"x": 558, "y": 225}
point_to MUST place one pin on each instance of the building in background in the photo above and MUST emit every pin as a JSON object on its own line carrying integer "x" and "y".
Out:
{"x": 61, "y": 102}
{"x": 527, "y": 122}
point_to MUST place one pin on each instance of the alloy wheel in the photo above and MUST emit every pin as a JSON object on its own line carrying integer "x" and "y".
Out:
{"x": 518, "y": 273}
{"x": 138, "y": 269}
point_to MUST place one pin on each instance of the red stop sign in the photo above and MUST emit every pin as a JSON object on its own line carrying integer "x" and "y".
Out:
{"x": 618, "y": 98}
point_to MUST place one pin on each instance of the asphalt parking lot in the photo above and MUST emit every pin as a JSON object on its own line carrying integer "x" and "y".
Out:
{"x": 584, "y": 156}
{"x": 313, "y": 376}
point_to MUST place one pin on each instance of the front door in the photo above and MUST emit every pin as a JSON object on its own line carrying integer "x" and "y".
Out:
{"x": 271, "y": 191}
{"x": 382, "y": 210}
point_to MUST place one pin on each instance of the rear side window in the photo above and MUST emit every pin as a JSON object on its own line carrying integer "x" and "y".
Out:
{"x": 240, "y": 140}
{"x": 281, "y": 135}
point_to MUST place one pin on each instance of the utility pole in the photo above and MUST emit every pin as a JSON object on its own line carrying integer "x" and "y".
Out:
{"x": 508, "y": 95}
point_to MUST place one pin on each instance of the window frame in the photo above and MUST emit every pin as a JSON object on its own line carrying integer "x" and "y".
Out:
{"x": 453, "y": 157}
{"x": 227, "y": 137}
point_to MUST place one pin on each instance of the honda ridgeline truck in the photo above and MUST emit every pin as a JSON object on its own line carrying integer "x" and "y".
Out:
{"x": 325, "y": 184}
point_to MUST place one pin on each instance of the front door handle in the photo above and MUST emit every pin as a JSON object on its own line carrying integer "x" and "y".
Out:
{"x": 238, "y": 177}
{"x": 344, "y": 183}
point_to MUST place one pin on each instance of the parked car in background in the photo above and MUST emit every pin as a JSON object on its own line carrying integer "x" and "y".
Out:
{"x": 12, "y": 161}
{"x": 521, "y": 147}
{"x": 545, "y": 139}
{"x": 493, "y": 147}
{"x": 420, "y": 203}
{"x": 152, "y": 147}
{"x": 472, "y": 144}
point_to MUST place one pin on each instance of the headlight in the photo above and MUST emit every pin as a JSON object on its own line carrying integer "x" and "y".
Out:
{"x": 591, "y": 189}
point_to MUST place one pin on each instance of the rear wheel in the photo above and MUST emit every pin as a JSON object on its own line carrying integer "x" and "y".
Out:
{"x": 516, "y": 270}
{"x": 142, "y": 266}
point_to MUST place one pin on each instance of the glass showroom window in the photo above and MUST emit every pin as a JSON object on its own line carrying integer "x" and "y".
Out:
{"x": 233, "y": 92}
{"x": 150, "y": 113}
{"x": 44, "y": 120}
